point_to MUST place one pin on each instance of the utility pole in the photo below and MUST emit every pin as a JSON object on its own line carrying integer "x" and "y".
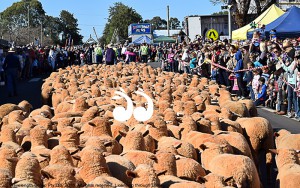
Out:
{"x": 41, "y": 34}
{"x": 28, "y": 23}
{"x": 168, "y": 20}
{"x": 229, "y": 22}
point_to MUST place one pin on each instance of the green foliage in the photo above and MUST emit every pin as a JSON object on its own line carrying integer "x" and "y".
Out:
{"x": 14, "y": 21}
{"x": 174, "y": 23}
{"x": 120, "y": 17}
{"x": 69, "y": 26}
{"x": 220, "y": 13}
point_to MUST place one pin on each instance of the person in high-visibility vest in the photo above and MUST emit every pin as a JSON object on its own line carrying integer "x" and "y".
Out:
{"x": 116, "y": 53}
{"x": 144, "y": 52}
{"x": 99, "y": 54}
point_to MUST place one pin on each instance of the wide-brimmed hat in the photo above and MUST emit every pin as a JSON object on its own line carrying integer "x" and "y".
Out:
{"x": 11, "y": 50}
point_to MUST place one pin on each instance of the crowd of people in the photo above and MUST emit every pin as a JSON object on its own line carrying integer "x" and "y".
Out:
{"x": 265, "y": 71}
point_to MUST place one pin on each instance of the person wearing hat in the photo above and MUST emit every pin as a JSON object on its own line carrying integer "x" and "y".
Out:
{"x": 288, "y": 65}
{"x": 110, "y": 55}
{"x": 99, "y": 54}
{"x": 12, "y": 67}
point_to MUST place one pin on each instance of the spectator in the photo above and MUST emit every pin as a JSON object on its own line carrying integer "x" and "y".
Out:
{"x": 239, "y": 75}
{"x": 12, "y": 67}
{"x": 144, "y": 52}
{"x": 255, "y": 84}
{"x": 262, "y": 94}
{"x": 110, "y": 55}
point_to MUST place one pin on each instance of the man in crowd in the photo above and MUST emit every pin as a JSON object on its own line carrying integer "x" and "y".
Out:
{"x": 144, "y": 52}
{"x": 110, "y": 55}
{"x": 99, "y": 54}
{"x": 12, "y": 68}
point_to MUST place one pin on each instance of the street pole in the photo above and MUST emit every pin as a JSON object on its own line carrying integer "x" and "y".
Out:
{"x": 168, "y": 20}
{"x": 28, "y": 24}
{"x": 41, "y": 34}
{"x": 229, "y": 22}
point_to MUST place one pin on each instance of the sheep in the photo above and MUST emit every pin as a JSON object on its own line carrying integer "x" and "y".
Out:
{"x": 28, "y": 169}
{"x": 216, "y": 181}
{"x": 288, "y": 167}
{"x": 70, "y": 138}
{"x": 16, "y": 116}
{"x": 166, "y": 162}
{"x": 59, "y": 176}
{"x": 184, "y": 148}
{"x": 100, "y": 126}
{"x": 104, "y": 181}
{"x": 5, "y": 178}
{"x": 238, "y": 142}
{"x": 284, "y": 139}
{"x": 250, "y": 106}
{"x": 8, "y": 134}
{"x": 5, "y": 109}
{"x": 175, "y": 182}
{"x": 211, "y": 150}
{"x": 188, "y": 168}
{"x": 229, "y": 125}
{"x": 26, "y": 107}
{"x": 39, "y": 136}
{"x": 140, "y": 157}
{"x": 261, "y": 140}
{"x": 240, "y": 167}
{"x": 133, "y": 140}
{"x": 118, "y": 165}
{"x": 8, "y": 158}
{"x": 144, "y": 176}
{"x": 93, "y": 164}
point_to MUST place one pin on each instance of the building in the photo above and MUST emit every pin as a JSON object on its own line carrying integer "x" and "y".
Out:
{"x": 285, "y": 4}
{"x": 199, "y": 25}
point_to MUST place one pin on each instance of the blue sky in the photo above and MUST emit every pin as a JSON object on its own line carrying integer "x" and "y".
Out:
{"x": 94, "y": 12}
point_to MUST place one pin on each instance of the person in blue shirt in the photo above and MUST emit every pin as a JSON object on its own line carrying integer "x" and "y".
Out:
{"x": 262, "y": 95}
{"x": 239, "y": 75}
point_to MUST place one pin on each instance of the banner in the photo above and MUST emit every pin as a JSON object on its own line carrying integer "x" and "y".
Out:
{"x": 139, "y": 29}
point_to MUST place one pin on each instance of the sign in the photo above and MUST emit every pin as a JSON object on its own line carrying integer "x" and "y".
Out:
{"x": 140, "y": 113}
{"x": 212, "y": 34}
{"x": 139, "y": 29}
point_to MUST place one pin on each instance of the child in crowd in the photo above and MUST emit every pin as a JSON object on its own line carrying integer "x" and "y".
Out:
{"x": 248, "y": 77}
{"x": 265, "y": 74}
{"x": 255, "y": 84}
{"x": 214, "y": 73}
{"x": 262, "y": 92}
{"x": 271, "y": 96}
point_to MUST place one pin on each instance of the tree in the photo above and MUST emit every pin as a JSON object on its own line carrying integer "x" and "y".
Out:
{"x": 69, "y": 27}
{"x": 220, "y": 13}
{"x": 120, "y": 17}
{"x": 241, "y": 8}
{"x": 174, "y": 23}
{"x": 15, "y": 18}
{"x": 158, "y": 23}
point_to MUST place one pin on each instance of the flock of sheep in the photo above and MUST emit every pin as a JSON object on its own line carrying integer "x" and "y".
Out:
{"x": 198, "y": 136}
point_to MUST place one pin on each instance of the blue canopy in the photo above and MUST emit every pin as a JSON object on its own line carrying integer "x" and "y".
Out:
{"x": 286, "y": 26}
{"x": 143, "y": 39}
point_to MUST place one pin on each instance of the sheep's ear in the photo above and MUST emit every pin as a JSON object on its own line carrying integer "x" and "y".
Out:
{"x": 162, "y": 173}
{"x": 105, "y": 154}
{"x": 16, "y": 180}
{"x": 19, "y": 150}
{"x": 123, "y": 134}
{"x": 1, "y": 123}
{"x": 203, "y": 147}
{"x": 80, "y": 132}
{"x": 1, "y": 144}
{"x": 177, "y": 146}
{"x": 219, "y": 111}
{"x": 45, "y": 155}
{"x": 46, "y": 174}
{"x": 201, "y": 180}
{"x": 228, "y": 179}
{"x": 108, "y": 144}
{"x": 76, "y": 157}
{"x": 92, "y": 124}
{"x": 13, "y": 159}
{"x": 73, "y": 120}
{"x": 275, "y": 151}
{"x": 153, "y": 157}
{"x": 16, "y": 130}
{"x": 131, "y": 174}
{"x": 146, "y": 133}
{"x": 73, "y": 152}
{"x": 276, "y": 134}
